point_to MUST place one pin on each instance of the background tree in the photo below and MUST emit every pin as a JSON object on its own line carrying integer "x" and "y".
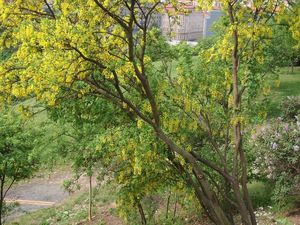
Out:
{"x": 18, "y": 158}
{"x": 292, "y": 16}
{"x": 80, "y": 127}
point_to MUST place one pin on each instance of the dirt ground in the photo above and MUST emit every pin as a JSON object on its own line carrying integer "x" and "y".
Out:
{"x": 294, "y": 215}
{"x": 106, "y": 216}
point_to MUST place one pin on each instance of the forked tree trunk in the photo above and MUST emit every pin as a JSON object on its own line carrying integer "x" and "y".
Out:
{"x": 203, "y": 188}
{"x": 205, "y": 196}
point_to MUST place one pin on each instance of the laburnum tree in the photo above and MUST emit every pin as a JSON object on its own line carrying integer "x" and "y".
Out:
{"x": 197, "y": 112}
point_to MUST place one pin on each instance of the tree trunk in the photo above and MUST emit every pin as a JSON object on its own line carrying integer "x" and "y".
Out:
{"x": 168, "y": 205}
{"x": 175, "y": 207}
{"x": 204, "y": 190}
{"x": 1, "y": 199}
{"x": 242, "y": 209}
{"x": 207, "y": 198}
{"x": 229, "y": 207}
{"x": 1, "y": 206}
{"x": 245, "y": 206}
{"x": 142, "y": 213}
{"x": 90, "y": 197}
{"x": 245, "y": 189}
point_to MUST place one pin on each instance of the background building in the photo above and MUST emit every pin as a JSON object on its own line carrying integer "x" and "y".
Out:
{"x": 189, "y": 26}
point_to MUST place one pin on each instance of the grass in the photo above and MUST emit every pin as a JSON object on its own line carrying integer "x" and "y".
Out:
{"x": 289, "y": 86}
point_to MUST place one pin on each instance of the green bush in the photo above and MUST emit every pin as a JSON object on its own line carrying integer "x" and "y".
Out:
{"x": 291, "y": 107}
{"x": 283, "y": 221}
{"x": 277, "y": 151}
{"x": 260, "y": 194}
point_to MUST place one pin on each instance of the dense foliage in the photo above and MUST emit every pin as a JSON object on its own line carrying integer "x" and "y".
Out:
{"x": 18, "y": 158}
{"x": 157, "y": 118}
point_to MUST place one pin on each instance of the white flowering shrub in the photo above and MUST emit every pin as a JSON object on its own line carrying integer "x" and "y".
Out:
{"x": 277, "y": 157}
{"x": 291, "y": 107}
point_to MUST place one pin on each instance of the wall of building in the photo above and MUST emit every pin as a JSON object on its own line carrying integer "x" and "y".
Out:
{"x": 184, "y": 28}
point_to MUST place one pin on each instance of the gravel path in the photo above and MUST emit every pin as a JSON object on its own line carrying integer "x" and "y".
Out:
{"x": 48, "y": 189}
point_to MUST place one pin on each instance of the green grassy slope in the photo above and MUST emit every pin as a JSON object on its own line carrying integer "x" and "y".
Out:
{"x": 289, "y": 86}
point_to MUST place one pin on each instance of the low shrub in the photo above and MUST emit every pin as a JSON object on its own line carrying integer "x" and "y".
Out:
{"x": 277, "y": 150}
{"x": 291, "y": 107}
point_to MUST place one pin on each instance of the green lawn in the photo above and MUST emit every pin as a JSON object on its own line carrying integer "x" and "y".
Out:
{"x": 289, "y": 82}
{"x": 289, "y": 86}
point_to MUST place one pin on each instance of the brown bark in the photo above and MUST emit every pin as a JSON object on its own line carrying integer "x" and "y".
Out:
{"x": 90, "y": 198}
{"x": 168, "y": 205}
{"x": 245, "y": 206}
{"x": 292, "y": 66}
{"x": 175, "y": 206}
{"x": 229, "y": 205}
{"x": 1, "y": 198}
{"x": 212, "y": 207}
{"x": 142, "y": 213}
